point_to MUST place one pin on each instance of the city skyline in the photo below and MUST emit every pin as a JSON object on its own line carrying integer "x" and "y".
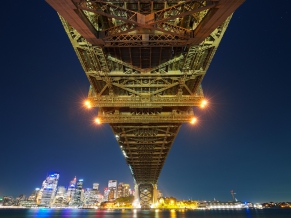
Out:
{"x": 241, "y": 141}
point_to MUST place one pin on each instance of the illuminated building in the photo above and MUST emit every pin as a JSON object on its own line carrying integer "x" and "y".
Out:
{"x": 48, "y": 189}
{"x": 7, "y": 201}
{"x": 112, "y": 187}
{"x": 95, "y": 192}
{"x": 19, "y": 200}
{"x": 225, "y": 205}
{"x": 106, "y": 193}
{"x": 91, "y": 197}
{"x": 34, "y": 195}
{"x": 71, "y": 190}
{"x": 120, "y": 190}
{"x": 95, "y": 186}
{"x": 79, "y": 194}
{"x": 100, "y": 198}
{"x": 60, "y": 196}
{"x": 88, "y": 195}
{"x": 123, "y": 190}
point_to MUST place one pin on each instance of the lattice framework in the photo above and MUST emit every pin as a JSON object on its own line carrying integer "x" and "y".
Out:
{"x": 145, "y": 61}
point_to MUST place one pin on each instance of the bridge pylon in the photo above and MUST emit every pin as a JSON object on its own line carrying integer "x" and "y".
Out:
{"x": 146, "y": 195}
{"x": 145, "y": 61}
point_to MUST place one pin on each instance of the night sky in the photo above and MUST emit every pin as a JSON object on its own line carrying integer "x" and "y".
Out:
{"x": 242, "y": 141}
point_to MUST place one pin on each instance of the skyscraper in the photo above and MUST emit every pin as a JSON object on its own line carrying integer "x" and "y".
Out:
{"x": 112, "y": 187}
{"x": 95, "y": 186}
{"x": 79, "y": 194}
{"x": 48, "y": 189}
{"x": 95, "y": 192}
{"x": 60, "y": 196}
{"x": 106, "y": 193}
{"x": 123, "y": 190}
{"x": 71, "y": 190}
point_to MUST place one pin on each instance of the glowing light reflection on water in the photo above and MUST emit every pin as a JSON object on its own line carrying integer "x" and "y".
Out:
{"x": 154, "y": 213}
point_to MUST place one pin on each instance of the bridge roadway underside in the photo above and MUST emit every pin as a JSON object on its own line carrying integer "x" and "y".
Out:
{"x": 145, "y": 61}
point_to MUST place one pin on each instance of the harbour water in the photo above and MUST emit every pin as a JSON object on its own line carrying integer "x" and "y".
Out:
{"x": 90, "y": 213}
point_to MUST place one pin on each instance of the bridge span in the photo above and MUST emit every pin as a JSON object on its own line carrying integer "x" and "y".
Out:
{"x": 145, "y": 61}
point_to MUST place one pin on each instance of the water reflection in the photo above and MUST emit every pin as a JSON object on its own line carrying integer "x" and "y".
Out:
{"x": 173, "y": 214}
{"x": 155, "y": 213}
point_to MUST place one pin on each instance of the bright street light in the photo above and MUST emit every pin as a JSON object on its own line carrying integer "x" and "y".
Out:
{"x": 203, "y": 103}
{"x": 193, "y": 120}
{"x": 98, "y": 121}
{"x": 88, "y": 104}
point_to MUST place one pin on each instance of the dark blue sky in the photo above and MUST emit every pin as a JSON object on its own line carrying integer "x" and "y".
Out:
{"x": 242, "y": 141}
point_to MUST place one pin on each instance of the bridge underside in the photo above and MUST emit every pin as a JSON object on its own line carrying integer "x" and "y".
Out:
{"x": 145, "y": 61}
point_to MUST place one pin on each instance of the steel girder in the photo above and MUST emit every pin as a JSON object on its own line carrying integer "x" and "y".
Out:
{"x": 145, "y": 147}
{"x": 145, "y": 61}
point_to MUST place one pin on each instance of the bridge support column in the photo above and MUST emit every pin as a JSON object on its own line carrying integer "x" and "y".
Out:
{"x": 146, "y": 194}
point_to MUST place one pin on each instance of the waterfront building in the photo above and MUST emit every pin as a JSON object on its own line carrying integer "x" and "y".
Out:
{"x": 106, "y": 193}
{"x": 7, "y": 201}
{"x": 19, "y": 200}
{"x": 112, "y": 187}
{"x": 95, "y": 192}
{"x": 79, "y": 194}
{"x": 32, "y": 199}
{"x": 60, "y": 198}
{"x": 33, "y": 196}
{"x": 120, "y": 190}
{"x": 123, "y": 190}
{"x": 71, "y": 191}
{"x": 225, "y": 205}
{"x": 91, "y": 197}
{"x": 87, "y": 196}
{"x": 100, "y": 198}
{"x": 48, "y": 189}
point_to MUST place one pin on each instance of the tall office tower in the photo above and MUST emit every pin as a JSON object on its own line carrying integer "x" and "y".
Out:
{"x": 79, "y": 194}
{"x": 91, "y": 197}
{"x": 106, "y": 193}
{"x": 126, "y": 190}
{"x": 123, "y": 190}
{"x": 87, "y": 196}
{"x": 120, "y": 190}
{"x": 95, "y": 192}
{"x": 71, "y": 190}
{"x": 48, "y": 189}
{"x": 112, "y": 187}
{"x": 95, "y": 186}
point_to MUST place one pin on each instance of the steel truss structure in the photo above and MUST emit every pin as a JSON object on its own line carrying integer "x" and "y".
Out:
{"x": 145, "y": 61}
